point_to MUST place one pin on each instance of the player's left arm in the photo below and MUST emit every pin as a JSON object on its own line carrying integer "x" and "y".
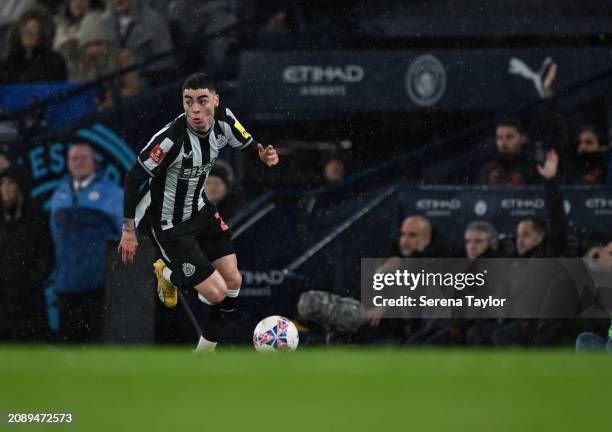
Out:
{"x": 268, "y": 155}
{"x": 239, "y": 138}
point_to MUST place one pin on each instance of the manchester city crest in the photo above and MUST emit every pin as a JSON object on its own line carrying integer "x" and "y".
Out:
{"x": 425, "y": 80}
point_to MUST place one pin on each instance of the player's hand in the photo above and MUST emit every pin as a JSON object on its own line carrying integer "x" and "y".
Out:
{"x": 268, "y": 155}
{"x": 127, "y": 246}
{"x": 549, "y": 169}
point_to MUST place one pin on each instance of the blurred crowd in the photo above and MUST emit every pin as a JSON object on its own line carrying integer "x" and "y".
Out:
{"x": 534, "y": 238}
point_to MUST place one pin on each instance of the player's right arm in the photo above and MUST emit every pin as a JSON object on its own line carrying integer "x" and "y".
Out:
{"x": 129, "y": 243}
{"x": 154, "y": 159}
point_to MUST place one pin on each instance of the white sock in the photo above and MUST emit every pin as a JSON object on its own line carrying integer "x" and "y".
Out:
{"x": 205, "y": 345}
{"x": 204, "y": 299}
{"x": 232, "y": 293}
{"x": 166, "y": 273}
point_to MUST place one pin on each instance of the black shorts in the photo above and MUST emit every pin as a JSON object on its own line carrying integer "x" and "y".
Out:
{"x": 191, "y": 247}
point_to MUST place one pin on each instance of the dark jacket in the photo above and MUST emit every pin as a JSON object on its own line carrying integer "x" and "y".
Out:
{"x": 554, "y": 243}
{"x": 511, "y": 170}
{"x": 26, "y": 261}
{"x": 45, "y": 65}
{"x": 589, "y": 168}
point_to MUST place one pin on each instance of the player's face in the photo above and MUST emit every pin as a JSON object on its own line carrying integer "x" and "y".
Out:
{"x": 475, "y": 243}
{"x": 9, "y": 192}
{"x": 508, "y": 139}
{"x": 199, "y": 105}
{"x": 527, "y": 237}
{"x": 81, "y": 162}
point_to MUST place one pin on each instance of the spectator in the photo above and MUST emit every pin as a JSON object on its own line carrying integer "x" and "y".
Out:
{"x": 101, "y": 56}
{"x": 218, "y": 190}
{"x": 590, "y": 161}
{"x": 584, "y": 160}
{"x": 69, "y": 32}
{"x": 333, "y": 170}
{"x": 30, "y": 56}
{"x": 418, "y": 239}
{"x": 481, "y": 240}
{"x": 26, "y": 260}
{"x": 536, "y": 238}
{"x": 515, "y": 163}
{"x": 86, "y": 213}
{"x": 142, "y": 31}
{"x": 543, "y": 283}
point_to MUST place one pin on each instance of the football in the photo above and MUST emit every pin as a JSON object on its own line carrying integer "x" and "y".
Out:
{"x": 275, "y": 333}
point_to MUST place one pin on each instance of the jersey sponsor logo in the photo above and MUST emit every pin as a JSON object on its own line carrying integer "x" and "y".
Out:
{"x": 157, "y": 154}
{"x": 241, "y": 129}
{"x": 426, "y": 80}
{"x": 187, "y": 173}
{"x": 189, "y": 269}
{"x": 198, "y": 171}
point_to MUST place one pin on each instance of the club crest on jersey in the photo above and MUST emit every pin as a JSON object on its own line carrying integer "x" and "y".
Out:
{"x": 188, "y": 269}
{"x": 221, "y": 140}
{"x": 157, "y": 154}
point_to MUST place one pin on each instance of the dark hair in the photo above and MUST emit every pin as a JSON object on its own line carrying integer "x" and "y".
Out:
{"x": 538, "y": 224}
{"x": 511, "y": 121}
{"x": 601, "y": 138}
{"x": 47, "y": 29}
{"x": 199, "y": 81}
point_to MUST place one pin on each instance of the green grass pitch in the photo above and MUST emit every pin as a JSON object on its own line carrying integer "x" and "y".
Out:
{"x": 318, "y": 390}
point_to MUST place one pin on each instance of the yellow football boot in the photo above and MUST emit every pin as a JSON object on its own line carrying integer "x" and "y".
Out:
{"x": 167, "y": 293}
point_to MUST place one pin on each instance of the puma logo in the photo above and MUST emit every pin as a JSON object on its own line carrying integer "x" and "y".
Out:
{"x": 518, "y": 67}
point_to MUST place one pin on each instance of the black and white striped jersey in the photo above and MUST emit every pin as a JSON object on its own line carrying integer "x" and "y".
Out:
{"x": 178, "y": 160}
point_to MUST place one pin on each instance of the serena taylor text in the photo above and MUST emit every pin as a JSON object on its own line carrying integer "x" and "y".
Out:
{"x": 422, "y": 279}
{"x": 424, "y": 301}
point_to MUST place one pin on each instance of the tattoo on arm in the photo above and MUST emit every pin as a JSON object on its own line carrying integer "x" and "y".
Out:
{"x": 129, "y": 225}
